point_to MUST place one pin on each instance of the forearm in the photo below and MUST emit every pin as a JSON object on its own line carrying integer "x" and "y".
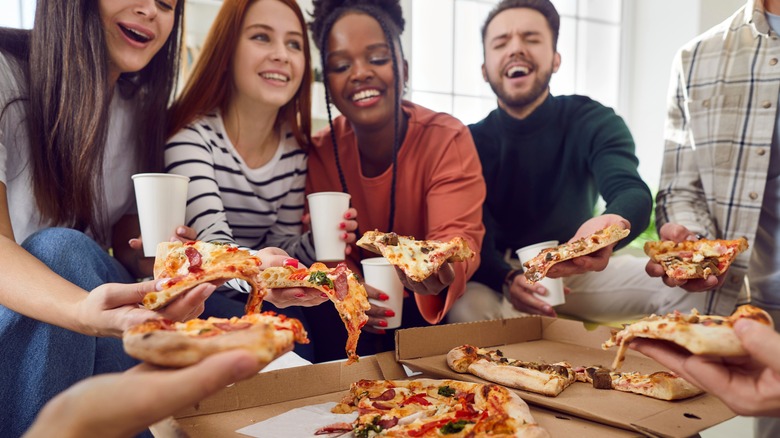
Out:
{"x": 125, "y": 229}
{"x": 29, "y": 287}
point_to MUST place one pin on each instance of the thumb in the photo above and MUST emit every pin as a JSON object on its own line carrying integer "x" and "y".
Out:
{"x": 212, "y": 374}
{"x": 117, "y": 294}
{"x": 761, "y": 341}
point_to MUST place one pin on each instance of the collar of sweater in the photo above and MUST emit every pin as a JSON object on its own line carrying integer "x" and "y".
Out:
{"x": 538, "y": 120}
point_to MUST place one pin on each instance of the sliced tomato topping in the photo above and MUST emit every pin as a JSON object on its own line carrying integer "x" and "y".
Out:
{"x": 416, "y": 399}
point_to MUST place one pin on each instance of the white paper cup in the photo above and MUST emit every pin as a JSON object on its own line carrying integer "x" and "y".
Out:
{"x": 327, "y": 212}
{"x": 162, "y": 203}
{"x": 554, "y": 286}
{"x": 380, "y": 274}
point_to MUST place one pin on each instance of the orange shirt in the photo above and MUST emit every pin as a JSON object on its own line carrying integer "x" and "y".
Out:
{"x": 439, "y": 190}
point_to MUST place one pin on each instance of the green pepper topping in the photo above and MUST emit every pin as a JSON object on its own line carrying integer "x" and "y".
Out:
{"x": 446, "y": 391}
{"x": 454, "y": 427}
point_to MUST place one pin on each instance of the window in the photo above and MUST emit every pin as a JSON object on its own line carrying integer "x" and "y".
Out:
{"x": 446, "y": 54}
{"x": 18, "y": 13}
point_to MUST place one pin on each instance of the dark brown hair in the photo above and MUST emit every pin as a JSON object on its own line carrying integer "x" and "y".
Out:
{"x": 544, "y": 7}
{"x": 64, "y": 61}
{"x": 210, "y": 83}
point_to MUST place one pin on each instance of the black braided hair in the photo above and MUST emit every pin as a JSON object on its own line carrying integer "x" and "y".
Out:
{"x": 389, "y": 15}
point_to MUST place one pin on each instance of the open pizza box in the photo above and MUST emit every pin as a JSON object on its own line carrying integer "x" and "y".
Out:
{"x": 543, "y": 339}
{"x": 273, "y": 393}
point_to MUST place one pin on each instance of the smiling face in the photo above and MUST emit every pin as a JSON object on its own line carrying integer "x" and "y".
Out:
{"x": 135, "y": 30}
{"x": 519, "y": 59}
{"x": 269, "y": 61}
{"x": 360, "y": 72}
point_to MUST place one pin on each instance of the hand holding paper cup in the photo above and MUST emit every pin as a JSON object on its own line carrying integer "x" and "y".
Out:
{"x": 327, "y": 212}
{"x": 554, "y": 286}
{"x": 380, "y": 274}
{"x": 162, "y": 202}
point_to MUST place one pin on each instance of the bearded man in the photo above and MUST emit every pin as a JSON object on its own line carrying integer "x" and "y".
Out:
{"x": 546, "y": 159}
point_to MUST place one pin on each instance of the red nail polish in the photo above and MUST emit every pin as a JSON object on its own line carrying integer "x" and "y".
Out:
{"x": 389, "y": 313}
{"x": 342, "y": 225}
{"x": 382, "y": 323}
{"x": 347, "y": 216}
{"x": 301, "y": 295}
{"x": 344, "y": 236}
{"x": 291, "y": 262}
{"x": 384, "y": 296}
{"x": 324, "y": 295}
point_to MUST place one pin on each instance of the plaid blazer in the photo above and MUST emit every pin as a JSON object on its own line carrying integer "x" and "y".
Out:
{"x": 722, "y": 110}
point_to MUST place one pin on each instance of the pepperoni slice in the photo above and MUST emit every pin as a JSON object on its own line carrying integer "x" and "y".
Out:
{"x": 195, "y": 259}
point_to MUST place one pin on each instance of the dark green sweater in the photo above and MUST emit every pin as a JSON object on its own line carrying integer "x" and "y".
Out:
{"x": 544, "y": 175}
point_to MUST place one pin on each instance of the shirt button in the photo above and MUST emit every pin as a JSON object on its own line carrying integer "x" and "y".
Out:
{"x": 761, "y": 152}
{"x": 706, "y": 103}
{"x": 766, "y": 104}
{"x": 753, "y": 195}
{"x": 773, "y": 61}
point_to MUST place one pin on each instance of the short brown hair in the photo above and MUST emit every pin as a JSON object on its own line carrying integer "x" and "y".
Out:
{"x": 545, "y": 7}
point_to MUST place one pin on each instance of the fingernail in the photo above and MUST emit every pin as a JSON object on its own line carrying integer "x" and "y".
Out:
{"x": 389, "y": 313}
{"x": 244, "y": 367}
{"x": 382, "y": 323}
{"x": 344, "y": 236}
{"x": 290, "y": 262}
{"x": 300, "y": 295}
{"x": 180, "y": 231}
{"x": 324, "y": 295}
{"x": 347, "y": 215}
{"x": 130, "y": 242}
{"x": 742, "y": 326}
{"x": 547, "y": 309}
{"x": 342, "y": 225}
{"x": 541, "y": 291}
{"x": 384, "y": 296}
{"x": 160, "y": 284}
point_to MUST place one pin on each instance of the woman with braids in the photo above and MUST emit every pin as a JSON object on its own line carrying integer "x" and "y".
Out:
{"x": 409, "y": 170}
{"x": 82, "y": 106}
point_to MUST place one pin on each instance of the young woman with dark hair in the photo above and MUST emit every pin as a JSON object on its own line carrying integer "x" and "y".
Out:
{"x": 408, "y": 169}
{"x": 82, "y": 105}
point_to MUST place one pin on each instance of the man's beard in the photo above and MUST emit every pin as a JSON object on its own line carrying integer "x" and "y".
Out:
{"x": 521, "y": 100}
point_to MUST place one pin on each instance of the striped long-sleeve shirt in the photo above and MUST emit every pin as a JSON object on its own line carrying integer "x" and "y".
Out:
{"x": 230, "y": 202}
{"x": 722, "y": 111}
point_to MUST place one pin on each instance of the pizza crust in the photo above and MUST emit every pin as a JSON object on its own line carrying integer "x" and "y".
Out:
{"x": 688, "y": 260}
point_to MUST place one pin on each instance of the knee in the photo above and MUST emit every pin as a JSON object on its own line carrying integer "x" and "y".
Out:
{"x": 478, "y": 303}
{"x": 52, "y": 244}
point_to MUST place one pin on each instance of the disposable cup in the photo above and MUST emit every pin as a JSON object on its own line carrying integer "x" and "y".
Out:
{"x": 554, "y": 286}
{"x": 327, "y": 212}
{"x": 380, "y": 274}
{"x": 162, "y": 202}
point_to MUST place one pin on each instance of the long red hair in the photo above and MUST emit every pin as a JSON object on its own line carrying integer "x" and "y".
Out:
{"x": 210, "y": 83}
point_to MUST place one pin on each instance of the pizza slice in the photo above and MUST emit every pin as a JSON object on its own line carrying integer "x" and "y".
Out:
{"x": 190, "y": 264}
{"x": 662, "y": 385}
{"x": 536, "y": 268}
{"x": 491, "y": 365}
{"x": 695, "y": 259}
{"x": 434, "y": 408}
{"x": 418, "y": 259}
{"x": 699, "y": 334}
{"x": 339, "y": 284}
{"x": 178, "y": 344}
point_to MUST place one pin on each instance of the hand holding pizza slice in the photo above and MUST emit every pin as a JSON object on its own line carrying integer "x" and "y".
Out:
{"x": 699, "y": 334}
{"x": 536, "y": 268}
{"x": 697, "y": 259}
{"x": 418, "y": 259}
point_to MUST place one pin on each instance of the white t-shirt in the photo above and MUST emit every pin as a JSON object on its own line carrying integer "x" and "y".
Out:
{"x": 119, "y": 162}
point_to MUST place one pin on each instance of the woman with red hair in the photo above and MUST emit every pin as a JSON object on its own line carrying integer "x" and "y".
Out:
{"x": 240, "y": 131}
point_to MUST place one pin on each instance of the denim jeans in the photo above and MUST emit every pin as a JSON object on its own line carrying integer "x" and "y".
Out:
{"x": 39, "y": 360}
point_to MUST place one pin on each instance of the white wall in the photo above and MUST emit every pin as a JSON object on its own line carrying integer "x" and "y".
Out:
{"x": 654, "y": 31}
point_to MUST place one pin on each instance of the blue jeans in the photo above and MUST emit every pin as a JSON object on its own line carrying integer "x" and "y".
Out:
{"x": 39, "y": 360}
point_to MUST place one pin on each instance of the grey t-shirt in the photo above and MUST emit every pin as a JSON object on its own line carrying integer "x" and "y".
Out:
{"x": 16, "y": 172}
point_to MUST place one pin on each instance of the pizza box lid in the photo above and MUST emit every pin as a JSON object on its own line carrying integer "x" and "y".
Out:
{"x": 273, "y": 393}
{"x": 544, "y": 339}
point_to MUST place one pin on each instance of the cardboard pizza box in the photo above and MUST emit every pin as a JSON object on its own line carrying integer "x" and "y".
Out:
{"x": 543, "y": 339}
{"x": 273, "y": 393}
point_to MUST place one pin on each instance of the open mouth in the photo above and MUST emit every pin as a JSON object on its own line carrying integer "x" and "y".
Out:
{"x": 275, "y": 77}
{"x": 517, "y": 71}
{"x": 135, "y": 35}
{"x": 365, "y": 94}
